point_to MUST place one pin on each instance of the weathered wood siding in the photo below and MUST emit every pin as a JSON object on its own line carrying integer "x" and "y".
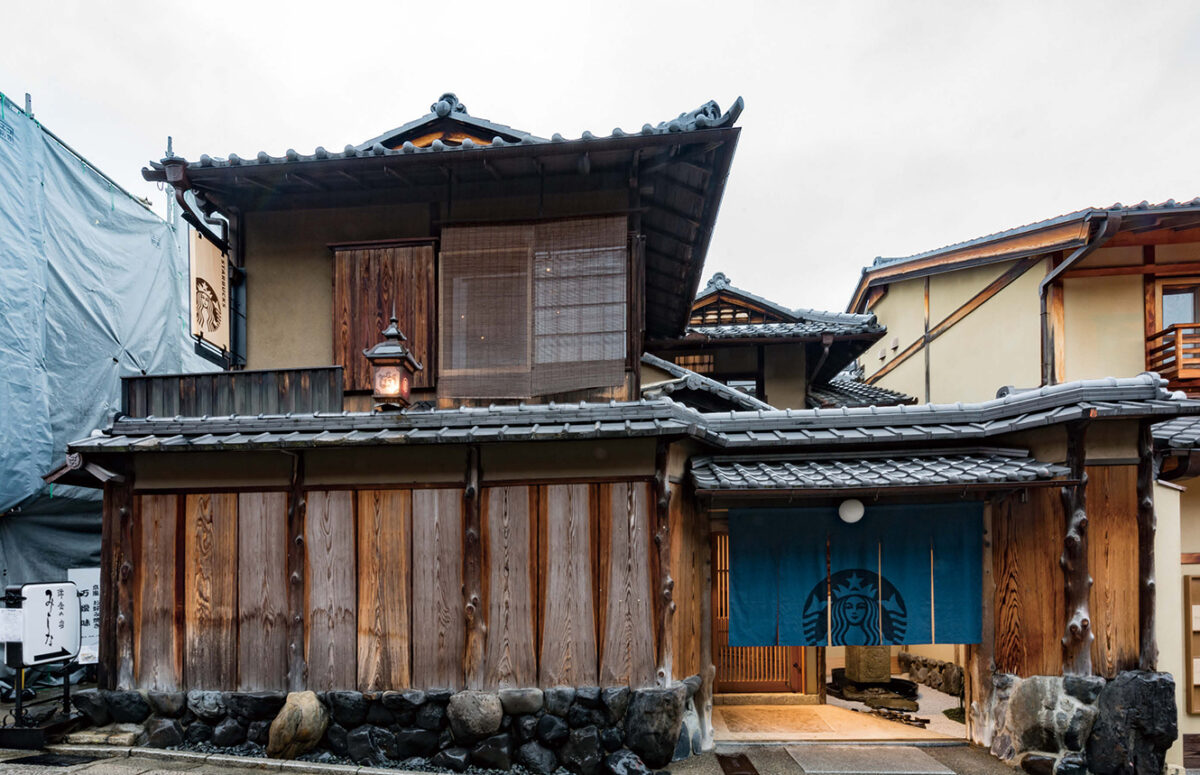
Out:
{"x": 567, "y": 593}
{"x": 229, "y": 392}
{"x": 1030, "y": 606}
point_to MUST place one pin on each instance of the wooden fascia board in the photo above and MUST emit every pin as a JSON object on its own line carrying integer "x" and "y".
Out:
{"x": 733, "y": 298}
{"x": 704, "y": 343}
{"x": 1064, "y": 236}
{"x": 876, "y": 492}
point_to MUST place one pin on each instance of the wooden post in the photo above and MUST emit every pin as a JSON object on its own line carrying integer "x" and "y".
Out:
{"x": 473, "y": 574}
{"x": 116, "y": 498}
{"x": 297, "y": 677}
{"x": 666, "y": 584}
{"x": 1147, "y": 525}
{"x": 125, "y": 511}
{"x": 1078, "y": 637}
{"x": 708, "y": 671}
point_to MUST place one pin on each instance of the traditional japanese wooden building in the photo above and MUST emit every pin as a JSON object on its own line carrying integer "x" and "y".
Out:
{"x": 603, "y": 477}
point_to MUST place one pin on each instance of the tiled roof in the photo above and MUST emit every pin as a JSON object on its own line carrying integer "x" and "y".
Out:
{"x": 873, "y": 471}
{"x": 687, "y": 380}
{"x": 852, "y": 392}
{"x": 1141, "y": 208}
{"x": 706, "y": 116}
{"x": 810, "y": 324}
{"x": 720, "y": 282}
{"x": 1179, "y": 433}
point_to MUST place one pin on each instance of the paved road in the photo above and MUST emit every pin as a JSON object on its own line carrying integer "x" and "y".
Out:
{"x": 766, "y": 760}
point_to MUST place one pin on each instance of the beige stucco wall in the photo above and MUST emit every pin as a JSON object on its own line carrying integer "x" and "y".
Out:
{"x": 1169, "y": 607}
{"x": 783, "y": 376}
{"x": 998, "y": 344}
{"x": 289, "y": 276}
{"x": 1104, "y": 327}
{"x": 949, "y": 291}
{"x": 902, "y": 310}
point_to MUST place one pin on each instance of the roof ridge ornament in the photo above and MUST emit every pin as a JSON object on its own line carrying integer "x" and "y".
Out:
{"x": 446, "y": 104}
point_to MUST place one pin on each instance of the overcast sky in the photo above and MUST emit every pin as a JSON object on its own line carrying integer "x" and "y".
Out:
{"x": 869, "y": 129}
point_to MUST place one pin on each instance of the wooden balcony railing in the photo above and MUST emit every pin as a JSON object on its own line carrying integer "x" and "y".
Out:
{"x": 1174, "y": 352}
{"x": 215, "y": 393}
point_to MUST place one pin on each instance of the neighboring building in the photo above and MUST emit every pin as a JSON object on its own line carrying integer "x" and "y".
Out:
{"x": 90, "y": 291}
{"x": 567, "y": 501}
{"x": 1099, "y": 292}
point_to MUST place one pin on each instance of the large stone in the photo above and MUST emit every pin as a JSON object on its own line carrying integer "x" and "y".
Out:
{"x": 581, "y": 716}
{"x": 255, "y": 706}
{"x": 1041, "y": 716}
{"x": 92, "y": 703}
{"x": 163, "y": 733}
{"x": 558, "y": 699}
{"x": 298, "y": 727}
{"x": 454, "y": 759}
{"x": 493, "y": 753}
{"x": 259, "y": 732}
{"x": 209, "y": 706}
{"x": 525, "y": 728}
{"x": 335, "y": 738}
{"x": 552, "y": 730}
{"x": 612, "y": 739}
{"x": 869, "y": 664}
{"x": 128, "y": 707}
{"x": 416, "y": 742}
{"x": 474, "y": 715}
{"x": 537, "y": 758}
{"x": 1085, "y": 688}
{"x": 1071, "y": 764}
{"x": 626, "y": 762}
{"x": 198, "y": 732}
{"x": 1135, "y": 726}
{"x": 1038, "y": 764}
{"x": 406, "y": 699}
{"x": 348, "y": 708}
{"x": 380, "y": 716}
{"x": 588, "y": 696}
{"x": 438, "y": 696}
{"x": 519, "y": 701}
{"x": 370, "y": 745}
{"x": 616, "y": 699}
{"x": 582, "y": 754}
{"x": 229, "y": 733}
{"x": 652, "y": 724}
{"x": 167, "y": 704}
{"x": 431, "y": 716}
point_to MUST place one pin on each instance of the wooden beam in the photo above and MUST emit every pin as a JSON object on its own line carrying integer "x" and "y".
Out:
{"x": 297, "y": 670}
{"x": 972, "y": 304}
{"x": 1147, "y": 525}
{"x": 1077, "y": 637}
{"x": 666, "y": 584}
{"x": 1159, "y": 270}
{"x": 125, "y": 512}
{"x": 473, "y": 663}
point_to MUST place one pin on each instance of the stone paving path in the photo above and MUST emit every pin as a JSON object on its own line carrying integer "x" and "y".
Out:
{"x": 767, "y": 760}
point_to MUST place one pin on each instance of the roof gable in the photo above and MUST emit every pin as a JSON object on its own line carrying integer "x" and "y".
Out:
{"x": 722, "y": 302}
{"x": 449, "y": 122}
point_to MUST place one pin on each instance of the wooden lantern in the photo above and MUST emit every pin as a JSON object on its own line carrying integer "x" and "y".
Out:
{"x": 392, "y": 369}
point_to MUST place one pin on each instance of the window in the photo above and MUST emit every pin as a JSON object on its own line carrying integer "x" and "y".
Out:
{"x": 366, "y": 283}
{"x": 533, "y": 310}
{"x": 701, "y": 364}
{"x": 1180, "y": 305}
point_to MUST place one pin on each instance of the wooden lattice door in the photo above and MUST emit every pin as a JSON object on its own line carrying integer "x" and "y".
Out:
{"x": 747, "y": 668}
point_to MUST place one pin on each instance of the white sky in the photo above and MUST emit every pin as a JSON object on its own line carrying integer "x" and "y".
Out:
{"x": 871, "y": 128}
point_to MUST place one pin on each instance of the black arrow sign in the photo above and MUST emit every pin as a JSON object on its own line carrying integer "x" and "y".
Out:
{"x": 51, "y": 656}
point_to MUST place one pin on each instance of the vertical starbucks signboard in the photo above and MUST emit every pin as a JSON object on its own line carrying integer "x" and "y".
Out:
{"x": 209, "y": 291}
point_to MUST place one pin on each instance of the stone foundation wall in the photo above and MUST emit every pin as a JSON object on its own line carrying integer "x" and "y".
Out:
{"x": 1073, "y": 725}
{"x": 944, "y": 676}
{"x": 587, "y": 730}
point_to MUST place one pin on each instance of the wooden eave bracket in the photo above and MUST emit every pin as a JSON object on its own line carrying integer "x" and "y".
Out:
{"x": 79, "y": 472}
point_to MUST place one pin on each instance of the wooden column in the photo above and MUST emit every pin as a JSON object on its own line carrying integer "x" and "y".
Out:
{"x": 1147, "y": 525}
{"x": 708, "y": 671}
{"x": 1078, "y": 637}
{"x": 666, "y": 584}
{"x": 473, "y": 666}
{"x": 125, "y": 511}
{"x": 297, "y": 670}
{"x": 116, "y": 511}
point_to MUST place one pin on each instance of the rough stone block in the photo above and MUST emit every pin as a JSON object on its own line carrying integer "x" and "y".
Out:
{"x": 869, "y": 664}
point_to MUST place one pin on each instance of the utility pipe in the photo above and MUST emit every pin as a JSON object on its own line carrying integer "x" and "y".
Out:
{"x": 1111, "y": 224}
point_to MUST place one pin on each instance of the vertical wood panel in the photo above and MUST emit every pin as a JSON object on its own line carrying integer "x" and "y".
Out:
{"x": 210, "y": 590}
{"x": 511, "y": 660}
{"x": 1113, "y": 563}
{"x": 383, "y": 573}
{"x": 262, "y": 591}
{"x": 568, "y": 655}
{"x": 1029, "y": 604}
{"x": 687, "y": 564}
{"x": 628, "y": 643}
{"x": 330, "y": 645}
{"x": 155, "y": 638}
{"x": 437, "y": 618}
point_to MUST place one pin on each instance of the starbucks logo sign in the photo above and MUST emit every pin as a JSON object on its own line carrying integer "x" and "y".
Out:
{"x": 859, "y": 606}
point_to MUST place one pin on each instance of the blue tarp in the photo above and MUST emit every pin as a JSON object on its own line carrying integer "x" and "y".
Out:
{"x": 93, "y": 287}
{"x": 903, "y": 574}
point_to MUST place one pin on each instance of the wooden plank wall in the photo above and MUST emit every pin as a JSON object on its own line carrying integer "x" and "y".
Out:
{"x": 689, "y": 549}
{"x": 1029, "y": 599}
{"x": 567, "y": 593}
{"x": 226, "y": 392}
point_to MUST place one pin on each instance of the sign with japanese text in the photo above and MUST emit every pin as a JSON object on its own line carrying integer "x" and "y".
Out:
{"x": 209, "y": 291}
{"x": 88, "y": 582}
{"x": 49, "y": 624}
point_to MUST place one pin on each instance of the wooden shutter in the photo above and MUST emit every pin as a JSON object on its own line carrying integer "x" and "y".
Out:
{"x": 366, "y": 282}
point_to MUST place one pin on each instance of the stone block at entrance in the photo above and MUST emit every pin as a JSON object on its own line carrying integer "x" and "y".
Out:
{"x": 869, "y": 664}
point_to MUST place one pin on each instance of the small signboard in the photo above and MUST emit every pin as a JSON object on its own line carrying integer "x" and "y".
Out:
{"x": 88, "y": 582}
{"x": 49, "y": 624}
{"x": 209, "y": 292}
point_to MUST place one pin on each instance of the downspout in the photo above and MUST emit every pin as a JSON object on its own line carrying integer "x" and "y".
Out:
{"x": 1111, "y": 225}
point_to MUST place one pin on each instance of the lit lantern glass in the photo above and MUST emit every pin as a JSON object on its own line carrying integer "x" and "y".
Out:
{"x": 392, "y": 369}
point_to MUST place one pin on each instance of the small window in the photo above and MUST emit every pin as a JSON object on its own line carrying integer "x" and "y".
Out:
{"x": 701, "y": 364}
{"x": 1180, "y": 306}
